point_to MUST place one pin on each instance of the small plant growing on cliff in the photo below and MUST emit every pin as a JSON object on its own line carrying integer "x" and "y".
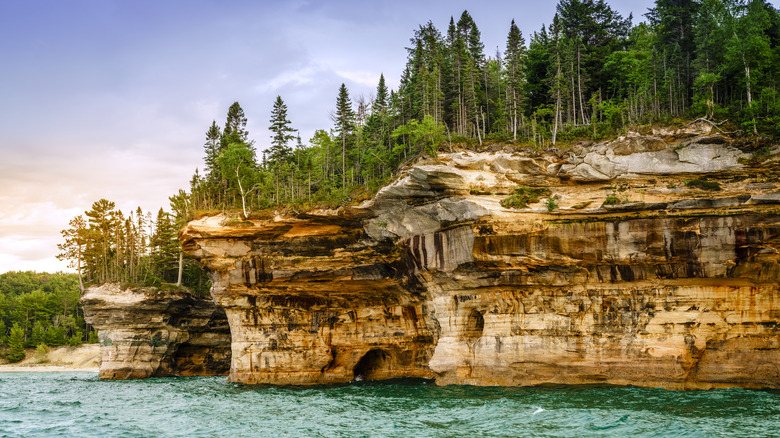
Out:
{"x": 551, "y": 203}
{"x": 523, "y": 196}
{"x": 479, "y": 192}
{"x": 614, "y": 199}
{"x": 703, "y": 184}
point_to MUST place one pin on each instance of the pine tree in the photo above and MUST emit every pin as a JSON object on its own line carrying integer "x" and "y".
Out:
{"x": 102, "y": 220}
{"x": 166, "y": 247}
{"x": 380, "y": 103}
{"x": 212, "y": 147}
{"x": 16, "y": 344}
{"x": 74, "y": 246}
{"x": 593, "y": 30}
{"x": 282, "y": 134}
{"x": 537, "y": 65}
{"x": 344, "y": 119}
{"x": 675, "y": 38}
{"x": 235, "y": 126}
{"x": 514, "y": 59}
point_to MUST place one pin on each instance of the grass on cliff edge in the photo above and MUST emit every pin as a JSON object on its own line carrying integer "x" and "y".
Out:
{"x": 524, "y": 195}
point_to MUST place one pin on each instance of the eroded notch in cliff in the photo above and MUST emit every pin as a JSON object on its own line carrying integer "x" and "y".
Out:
{"x": 474, "y": 326}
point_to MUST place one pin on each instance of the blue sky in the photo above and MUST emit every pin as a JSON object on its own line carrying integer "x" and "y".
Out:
{"x": 112, "y": 98}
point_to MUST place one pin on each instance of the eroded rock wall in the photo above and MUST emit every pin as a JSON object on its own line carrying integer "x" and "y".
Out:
{"x": 147, "y": 332}
{"x": 670, "y": 286}
{"x": 676, "y": 302}
{"x": 308, "y": 298}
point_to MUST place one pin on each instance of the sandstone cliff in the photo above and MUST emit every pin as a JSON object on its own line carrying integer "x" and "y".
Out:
{"x": 666, "y": 285}
{"x": 147, "y": 332}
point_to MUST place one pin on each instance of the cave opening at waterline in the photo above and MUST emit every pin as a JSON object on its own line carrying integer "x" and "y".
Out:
{"x": 374, "y": 365}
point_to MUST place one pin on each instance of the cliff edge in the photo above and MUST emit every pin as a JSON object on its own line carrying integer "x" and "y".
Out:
{"x": 630, "y": 269}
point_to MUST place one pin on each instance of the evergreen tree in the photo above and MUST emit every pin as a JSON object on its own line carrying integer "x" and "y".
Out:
{"x": 537, "y": 65}
{"x": 673, "y": 21}
{"x": 344, "y": 119}
{"x": 282, "y": 134}
{"x": 16, "y": 344}
{"x": 592, "y": 30}
{"x": 235, "y": 126}
{"x": 212, "y": 147}
{"x": 99, "y": 255}
{"x": 76, "y": 238}
{"x": 514, "y": 57}
{"x": 380, "y": 102}
{"x": 165, "y": 246}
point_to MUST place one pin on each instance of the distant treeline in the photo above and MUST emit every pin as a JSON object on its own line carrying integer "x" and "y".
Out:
{"x": 39, "y": 308}
{"x": 588, "y": 74}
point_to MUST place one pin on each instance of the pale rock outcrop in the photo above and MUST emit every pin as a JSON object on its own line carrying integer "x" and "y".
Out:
{"x": 148, "y": 332}
{"x": 650, "y": 155}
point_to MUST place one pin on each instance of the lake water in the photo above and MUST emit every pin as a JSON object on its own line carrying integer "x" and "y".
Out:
{"x": 80, "y": 405}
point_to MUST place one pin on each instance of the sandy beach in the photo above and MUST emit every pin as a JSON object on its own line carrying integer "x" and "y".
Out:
{"x": 85, "y": 357}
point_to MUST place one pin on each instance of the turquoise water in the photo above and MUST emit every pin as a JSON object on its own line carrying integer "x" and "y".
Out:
{"x": 80, "y": 405}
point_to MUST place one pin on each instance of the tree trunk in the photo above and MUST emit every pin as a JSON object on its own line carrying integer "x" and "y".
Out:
{"x": 181, "y": 267}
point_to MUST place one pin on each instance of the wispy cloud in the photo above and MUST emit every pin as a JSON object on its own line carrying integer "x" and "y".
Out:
{"x": 112, "y": 99}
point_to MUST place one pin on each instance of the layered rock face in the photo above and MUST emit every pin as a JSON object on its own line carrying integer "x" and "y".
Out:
{"x": 311, "y": 300}
{"x": 662, "y": 285}
{"x": 147, "y": 332}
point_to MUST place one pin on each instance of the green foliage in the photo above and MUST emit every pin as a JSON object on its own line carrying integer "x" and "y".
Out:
{"x": 551, "y": 203}
{"x": 589, "y": 75}
{"x": 41, "y": 353}
{"x": 703, "y": 184}
{"x": 280, "y": 152}
{"x": 422, "y": 137}
{"x": 44, "y": 306}
{"x": 76, "y": 338}
{"x": 614, "y": 199}
{"x": 523, "y": 195}
{"x": 16, "y": 344}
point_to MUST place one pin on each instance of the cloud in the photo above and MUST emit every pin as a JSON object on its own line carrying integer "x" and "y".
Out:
{"x": 112, "y": 99}
{"x": 365, "y": 78}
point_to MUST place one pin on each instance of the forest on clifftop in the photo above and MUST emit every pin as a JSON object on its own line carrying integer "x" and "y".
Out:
{"x": 587, "y": 74}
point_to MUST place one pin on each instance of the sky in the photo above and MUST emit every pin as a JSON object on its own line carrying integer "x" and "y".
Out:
{"x": 112, "y": 98}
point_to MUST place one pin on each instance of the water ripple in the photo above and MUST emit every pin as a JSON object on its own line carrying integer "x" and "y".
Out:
{"x": 79, "y": 404}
